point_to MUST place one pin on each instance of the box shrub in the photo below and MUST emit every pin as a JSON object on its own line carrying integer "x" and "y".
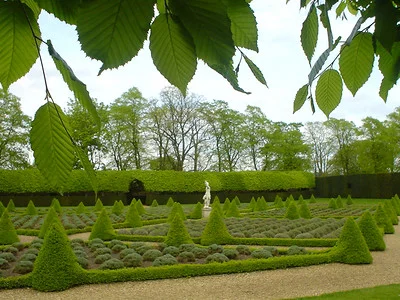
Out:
{"x": 132, "y": 260}
{"x": 102, "y": 228}
{"x": 233, "y": 211}
{"x": 50, "y": 218}
{"x": 154, "y": 203}
{"x": 56, "y": 205}
{"x": 140, "y": 207}
{"x": 304, "y": 211}
{"x": 383, "y": 220}
{"x": 292, "y": 212}
{"x": 165, "y": 260}
{"x": 226, "y": 205}
{"x": 81, "y": 208}
{"x": 252, "y": 204}
{"x": 8, "y": 234}
{"x": 2, "y": 208}
{"x": 216, "y": 258}
{"x": 177, "y": 233}
{"x": 99, "y": 205}
{"x": 215, "y": 231}
{"x": 11, "y": 206}
{"x": 312, "y": 199}
{"x": 387, "y": 205}
{"x": 56, "y": 268}
{"x": 185, "y": 257}
{"x": 117, "y": 208}
{"x": 339, "y": 202}
{"x": 349, "y": 200}
{"x": 176, "y": 209}
{"x": 31, "y": 209}
{"x": 132, "y": 217}
{"x": 332, "y": 204}
{"x": 197, "y": 212}
{"x": 395, "y": 205}
{"x": 371, "y": 232}
{"x": 170, "y": 202}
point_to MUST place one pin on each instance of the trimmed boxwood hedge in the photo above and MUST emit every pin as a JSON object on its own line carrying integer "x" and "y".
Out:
{"x": 31, "y": 181}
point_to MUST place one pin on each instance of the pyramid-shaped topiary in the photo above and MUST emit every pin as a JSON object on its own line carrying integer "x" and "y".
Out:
{"x": 140, "y": 207}
{"x": 216, "y": 199}
{"x": 300, "y": 200}
{"x": 372, "y": 235}
{"x": 81, "y": 208}
{"x": 56, "y": 267}
{"x": 117, "y": 208}
{"x": 56, "y": 205}
{"x": 102, "y": 228}
{"x": 132, "y": 217}
{"x": 2, "y": 208}
{"x": 279, "y": 202}
{"x": 197, "y": 212}
{"x": 226, "y": 205}
{"x": 170, "y": 202}
{"x": 382, "y": 219}
{"x": 237, "y": 200}
{"x": 289, "y": 200}
{"x": 154, "y": 203}
{"x": 233, "y": 211}
{"x": 351, "y": 247}
{"x": 99, "y": 205}
{"x": 215, "y": 231}
{"x": 50, "y": 218}
{"x": 276, "y": 200}
{"x": 339, "y": 202}
{"x": 177, "y": 233}
{"x": 349, "y": 201}
{"x": 252, "y": 204}
{"x": 217, "y": 205}
{"x": 395, "y": 205}
{"x": 304, "y": 211}
{"x": 133, "y": 201}
{"x": 11, "y": 206}
{"x": 261, "y": 204}
{"x": 176, "y": 209}
{"x": 292, "y": 212}
{"x": 312, "y": 199}
{"x": 8, "y": 234}
{"x": 31, "y": 209}
{"x": 387, "y": 205}
{"x": 332, "y": 203}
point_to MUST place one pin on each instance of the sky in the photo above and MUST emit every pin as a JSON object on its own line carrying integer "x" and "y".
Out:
{"x": 280, "y": 58}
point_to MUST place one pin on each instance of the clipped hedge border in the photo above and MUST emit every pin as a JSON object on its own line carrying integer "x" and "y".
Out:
{"x": 31, "y": 181}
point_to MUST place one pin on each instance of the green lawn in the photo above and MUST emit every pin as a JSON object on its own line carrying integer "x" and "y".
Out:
{"x": 386, "y": 292}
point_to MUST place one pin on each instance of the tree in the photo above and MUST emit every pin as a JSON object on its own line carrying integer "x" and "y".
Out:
{"x": 14, "y": 135}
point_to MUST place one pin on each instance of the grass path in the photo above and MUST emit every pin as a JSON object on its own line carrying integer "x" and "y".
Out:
{"x": 277, "y": 284}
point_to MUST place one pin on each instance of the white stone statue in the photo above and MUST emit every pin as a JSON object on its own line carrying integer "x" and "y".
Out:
{"x": 207, "y": 196}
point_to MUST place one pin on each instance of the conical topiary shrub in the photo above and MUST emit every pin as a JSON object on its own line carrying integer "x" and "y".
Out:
{"x": 216, "y": 199}
{"x": 140, "y": 207}
{"x": 117, "y": 208}
{"x": 289, "y": 200}
{"x": 339, "y": 202}
{"x": 237, "y": 200}
{"x": 50, "y": 218}
{"x": 99, "y": 205}
{"x": 215, "y": 231}
{"x": 261, "y": 204}
{"x": 312, "y": 199}
{"x": 351, "y": 247}
{"x": 300, "y": 200}
{"x": 11, "y": 206}
{"x": 177, "y": 233}
{"x": 56, "y": 205}
{"x": 252, "y": 204}
{"x": 291, "y": 212}
{"x": 170, "y": 202}
{"x": 217, "y": 205}
{"x": 349, "y": 201}
{"x": 390, "y": 212}
{"x": 233, "y": 211}
{"x": 2, "y": 208}
{"x": 31, "y": 209}
{"x": 56, "y": 267}
{"x": 372, "y": 235}
{"x": 332, "y": 204}
{"x": 276, "y": 200}
{"x": 154, "y": 203}
{"x": 382, "y": 219}
{"x": 279, "y": 202}
{"x": 132, "y": 217}
{"x": 395, "y": 205}
{"x": 176, "y": 209}
{"x": 304, "y": 211}
{"x": 133, "y": 201}
{"x": 102, "y": 228}
{"x": 8, "y": 234}
{"x": 81, "y": 208}
{"x": 197, "y": 212}
{"x": 226, "y": 205}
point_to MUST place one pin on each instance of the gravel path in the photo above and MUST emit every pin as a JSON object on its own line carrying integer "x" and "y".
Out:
{"x": 276, "y": 284}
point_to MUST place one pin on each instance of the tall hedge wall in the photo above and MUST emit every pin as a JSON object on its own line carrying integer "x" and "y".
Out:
{"x": 31, "y": 181}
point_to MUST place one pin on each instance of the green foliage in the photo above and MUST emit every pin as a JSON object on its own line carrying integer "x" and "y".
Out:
{"x": 103, "y": 228}
{"x": 8, "y": 234}
{"x": 56, "y": 205}
{"x": 236, "y": 199}
{"x": 309, "y": 33}
{"x": 186, "y": 256}
{"x": 151, "y": 254}
{"x": 215, "y": 231}
{"x": 2, "y": 208}
{"x": 339, "y": 202}
{"x": 117, "y": 208}
{"x": 332, "y": 203}
{"x": 304, "y": 211}
{"x": 170, "y": 202}
{"x": 177, "y": 233}
{"x": 133, "y": 260}
{"x": 132, "y": 216}
{"x": 50, "y": 218}
{"x": 328, "y": 91}
{"x": 296, "y": 250}
{"x": 292, "y": 212}
{"x": 261, "y": 204}
{"x": 81, "y": 208}
{"x": 140, "y": 207}
{"x": 217, "y": 206}
{"x": 387, "y": 205}
{"x": 351, "y": 247}
{"x": 98, "y": 205}
{"x": 261, "y": 253}
{"x": 289, "y": 200}
{"x": 371, "y": 232}
{"x": 233, "y": 211}
{"x": 165, "y": 260}
{"x": 312, "y": 199}
{"x": 300, "y": 200}
{"x": 396, "y": 205}
{"x": 11, "y": 206}
{"x": 226, "y": 205}
{"x": 176, "y": 209}
{"x": 216, "y": 258}
{"x": 154, "y": 203}
{"x": 56, "y": 268}
{"x": 31, "y": 209}
{"x": 23, "y": 267}
{"x": 349, "y": 200}
{"x": 197, "y": 212}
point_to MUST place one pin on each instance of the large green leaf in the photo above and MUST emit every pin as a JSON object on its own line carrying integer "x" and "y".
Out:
{"x": 389, "y": 65}
{"x": 18, "y": 50}
{"x": 64, "y": 10}
{"x": 209, "y": 24}
{"x": 255, "y": 70}
{"x": 173, "y": 51}
{"x": 51, "y": 144}
{"x": 356, "y": 62}
{"x": 32, "y": 4}
{"x": 309, "y": 33}
{"x": 74, "y": 84}
{"x": 328, "y": 91}
{"x": 243, "y": 24}
{"x": 386, "y": 86}
{"x": 300, "y": 98}
{"x": 318, "y": 65}
{"x": 229, "y": 74}
{"x": 114, "y": 31}
{"x": 386, "y": 18}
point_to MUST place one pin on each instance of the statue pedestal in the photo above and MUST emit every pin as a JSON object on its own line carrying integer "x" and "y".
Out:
{"x": 206, "y": 212}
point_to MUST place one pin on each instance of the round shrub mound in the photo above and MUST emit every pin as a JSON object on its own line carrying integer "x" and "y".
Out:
{"x": 296, "y": 250}
{"x": 261, "y": 253}
{"x": 383, "y": 220}
{"x": 216, "y": 258}
{"x": 151, "y": 255}
{"x": 292, "y": 212}
{"x": 371, "y": 232}
{"x": 231, "y": 253}
{"x": 165, "y": 260}
{"x": 31, "y": 209}
{"x": 23, "y": 267}
{"x": 102, "y": 258}
{"x": 126, "y": 252}
{"x": 132, "y": 217}
{"x": 132, "y": 260}
{"x": 351, "y": 247}
{"x": 55, "y": 268}
{"x": 4, "y": 264}
{"x": 112, "y": 264}
{"x": 103, "y": 228}
{"x": 177, "y": 233}
{"x": 174, "y": 251}
{"x": 197, "y": 212}
{"x": 215, "y": 231}
{"x": 243, "y": 249}
{"x": 200, "y": 252}
{"x": 186, "y": 256}
{"x": 8, "y": 234}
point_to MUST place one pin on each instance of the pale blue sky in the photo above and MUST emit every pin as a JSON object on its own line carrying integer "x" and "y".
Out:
{"x": 280, "y": 58}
